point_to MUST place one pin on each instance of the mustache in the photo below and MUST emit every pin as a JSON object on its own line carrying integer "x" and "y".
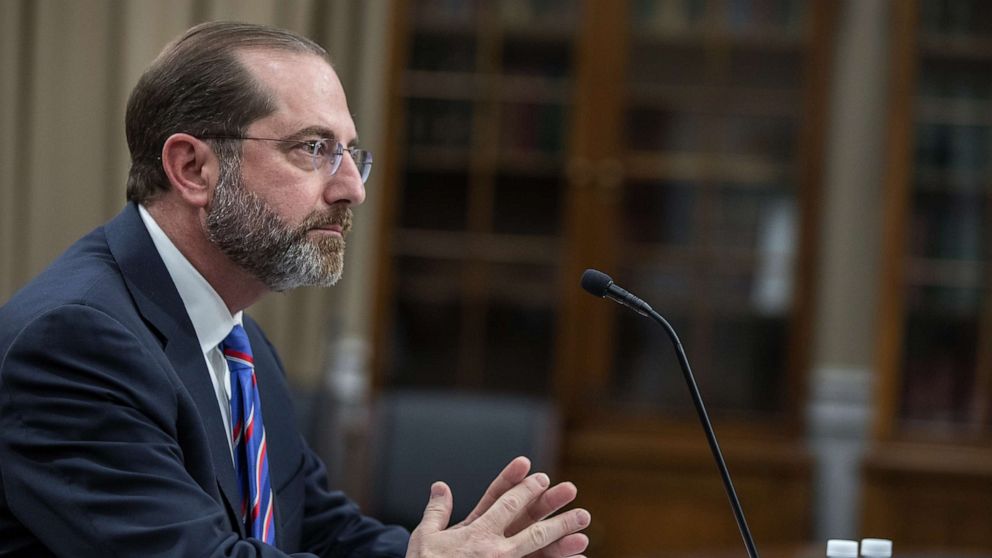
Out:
{"x": 340, "y": 216}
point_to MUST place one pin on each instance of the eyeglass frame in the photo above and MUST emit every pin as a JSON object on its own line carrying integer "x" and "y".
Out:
{"x": 364, "y": 167}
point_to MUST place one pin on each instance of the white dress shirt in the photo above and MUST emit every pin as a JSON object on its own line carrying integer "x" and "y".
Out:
{"x": 211, "y": 319}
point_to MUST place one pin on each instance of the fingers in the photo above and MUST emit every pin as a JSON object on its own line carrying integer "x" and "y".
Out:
{"x": 438, "y": 510}
{"x": 523, "y": 505}
{"x": 513, "y": 503}
{"x": 548, "y": 532}
{"x": 551, "y": 500}
{"x": 569, "y": 546}
{"x": 510, "y": 476}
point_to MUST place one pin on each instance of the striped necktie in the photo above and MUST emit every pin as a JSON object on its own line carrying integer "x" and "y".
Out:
{"x": 248, "y": 438}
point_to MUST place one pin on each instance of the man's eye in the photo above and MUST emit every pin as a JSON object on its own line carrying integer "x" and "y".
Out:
{"x": 316, "y": 147}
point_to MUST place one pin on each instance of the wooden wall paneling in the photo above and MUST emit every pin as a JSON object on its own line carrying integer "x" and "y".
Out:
{"x": 895, "y": 220}
{"x": 393, "y": 162}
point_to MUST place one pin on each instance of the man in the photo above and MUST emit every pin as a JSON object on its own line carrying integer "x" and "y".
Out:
{"x": 141, "y": 414}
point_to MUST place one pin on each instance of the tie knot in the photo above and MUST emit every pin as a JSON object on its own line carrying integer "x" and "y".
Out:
{"x": 236, "y": 346}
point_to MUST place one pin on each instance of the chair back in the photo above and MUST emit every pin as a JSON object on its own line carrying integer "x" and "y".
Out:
{"x": 419, "y": 437}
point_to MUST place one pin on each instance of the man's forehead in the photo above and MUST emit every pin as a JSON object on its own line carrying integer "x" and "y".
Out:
{"x": 305, "y": 88}
{"x": 271, "y": 60}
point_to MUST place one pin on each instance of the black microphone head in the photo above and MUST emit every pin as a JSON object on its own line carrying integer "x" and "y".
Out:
{"x": 596, "y": 282}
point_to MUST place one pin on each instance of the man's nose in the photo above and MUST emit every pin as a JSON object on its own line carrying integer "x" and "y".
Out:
{"x": 346, "y": 184}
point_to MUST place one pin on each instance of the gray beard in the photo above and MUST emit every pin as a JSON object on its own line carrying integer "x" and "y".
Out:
{"x": 253, "y": 236}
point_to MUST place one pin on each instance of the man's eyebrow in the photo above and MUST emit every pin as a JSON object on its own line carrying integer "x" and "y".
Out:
{"x": 311, "y": 132}
{"x": 317, "y": 132}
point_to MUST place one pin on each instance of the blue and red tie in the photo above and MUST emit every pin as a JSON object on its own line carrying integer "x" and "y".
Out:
{"x": 248, "y": 438}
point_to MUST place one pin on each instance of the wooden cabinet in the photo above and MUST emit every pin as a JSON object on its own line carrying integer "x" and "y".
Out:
{"x": 935, "y": 356}
{"x": 476, "y": 188}
{"x": 674, "y": 144}
{"x": 693, "y": 188}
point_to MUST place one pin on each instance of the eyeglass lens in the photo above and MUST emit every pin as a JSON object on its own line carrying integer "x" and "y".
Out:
{"x": 361, "y": 157}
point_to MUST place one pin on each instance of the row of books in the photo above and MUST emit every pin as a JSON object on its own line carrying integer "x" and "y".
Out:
{"x": 957, "y": 81}
{"x": 439, "y": 123}
{"x": 443, "y": 53}
{"x": 657, "y": 15}
{"x": 956, "y": 17}
{"x": 520, "y": 204}
{"x": 771, "y": 139}
{"x": 949, "y": 227}
{"x": 960, "y": 149}
{"x": 524, "y": 127}
{"x": 508, "y": 12}
{"x": 520, "y": 56}
{"x": 732, "y": 15}
{"x": 939, "y": 382}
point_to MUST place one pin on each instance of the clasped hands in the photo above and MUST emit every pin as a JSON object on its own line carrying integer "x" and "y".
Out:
{"x": 510, "y": 521}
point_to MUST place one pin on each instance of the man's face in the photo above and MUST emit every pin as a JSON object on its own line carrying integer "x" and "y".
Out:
{"x": 272, "y": 213}
{"x": 279, "y": 254}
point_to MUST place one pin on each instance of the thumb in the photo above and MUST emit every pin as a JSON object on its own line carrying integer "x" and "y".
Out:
{"x": 438, "y": 511}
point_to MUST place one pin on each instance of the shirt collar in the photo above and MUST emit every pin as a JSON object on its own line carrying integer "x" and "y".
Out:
{"x": 211, "y": 319}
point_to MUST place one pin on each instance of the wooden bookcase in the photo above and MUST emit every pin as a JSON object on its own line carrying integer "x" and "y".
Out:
{"x": 675, "y": 144}
{"x": 931, "y": 465}
{"x": 474, "y": 237}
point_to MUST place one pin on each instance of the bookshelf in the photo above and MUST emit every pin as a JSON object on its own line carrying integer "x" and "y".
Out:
{"x": 674, "y": 144}
{"x": 928, "y": 465}
{"x": 475, "y": 240}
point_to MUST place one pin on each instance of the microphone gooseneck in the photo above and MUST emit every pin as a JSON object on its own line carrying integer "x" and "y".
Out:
{"x": 601, "y": 285}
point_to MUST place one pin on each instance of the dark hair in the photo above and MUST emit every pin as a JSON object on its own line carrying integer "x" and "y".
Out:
{"x": 198, "y": 86}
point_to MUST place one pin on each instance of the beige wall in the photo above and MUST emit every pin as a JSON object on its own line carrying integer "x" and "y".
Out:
{"x": 67, "y": 68}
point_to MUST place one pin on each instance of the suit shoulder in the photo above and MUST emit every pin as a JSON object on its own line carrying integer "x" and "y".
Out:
{"x": 86, "y": 274}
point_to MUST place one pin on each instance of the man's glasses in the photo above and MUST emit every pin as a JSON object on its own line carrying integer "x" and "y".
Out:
{"x": 320, "y": 152}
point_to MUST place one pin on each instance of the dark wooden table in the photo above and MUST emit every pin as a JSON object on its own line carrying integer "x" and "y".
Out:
{"x": 814, "y": 551}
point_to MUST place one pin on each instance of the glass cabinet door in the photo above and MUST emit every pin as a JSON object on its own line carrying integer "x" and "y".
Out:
{"x": 945, "y": 361}
{"x": 709, "y": 210}
{"x": 476, "y": 234}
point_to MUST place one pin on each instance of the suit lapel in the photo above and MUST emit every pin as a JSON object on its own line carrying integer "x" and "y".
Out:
{"x": 158, "y": 301}
{"x": 185, "y": 356}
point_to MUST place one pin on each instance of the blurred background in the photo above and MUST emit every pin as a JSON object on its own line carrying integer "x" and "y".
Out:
{"x": 801, "y": 187}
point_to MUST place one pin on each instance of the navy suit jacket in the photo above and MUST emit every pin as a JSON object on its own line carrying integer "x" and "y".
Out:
{"x": 111, "y": 439}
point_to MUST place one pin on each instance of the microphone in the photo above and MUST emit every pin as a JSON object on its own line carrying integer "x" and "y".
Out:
{"x": 600, "y": 284}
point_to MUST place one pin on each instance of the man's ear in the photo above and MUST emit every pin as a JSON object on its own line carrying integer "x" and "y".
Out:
{"x": 191, "y": 167}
